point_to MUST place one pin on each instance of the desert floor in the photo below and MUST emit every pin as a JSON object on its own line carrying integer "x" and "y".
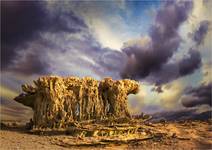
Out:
{"x": 179, "y": 135}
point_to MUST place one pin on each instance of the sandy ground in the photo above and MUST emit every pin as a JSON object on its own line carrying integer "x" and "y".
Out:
{"x": 190, "y": 135}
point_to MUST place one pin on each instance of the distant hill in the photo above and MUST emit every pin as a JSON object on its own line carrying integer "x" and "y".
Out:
{"x": 13, "y": 111}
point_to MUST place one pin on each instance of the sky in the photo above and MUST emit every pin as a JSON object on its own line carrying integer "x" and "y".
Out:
{"x": 164, "y": 45}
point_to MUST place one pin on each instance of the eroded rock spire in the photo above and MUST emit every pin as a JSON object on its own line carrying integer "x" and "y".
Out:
{"x": 58, "y": 101}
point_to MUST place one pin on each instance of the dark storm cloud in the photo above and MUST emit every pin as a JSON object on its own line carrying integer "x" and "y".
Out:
{"x": 197, "y": 96}
{"x": 182, "y": 114}
{"x": 150, "y": 61}
{"x": 22, "y": 22}
{"x": 189, "y": 64}
{"x": 19, "y": 22}
{"x": 171, "y": 71}
{"x": 32, "y": 63}
{"x": 201, "y": 32}
{"x": 165, "y": 40}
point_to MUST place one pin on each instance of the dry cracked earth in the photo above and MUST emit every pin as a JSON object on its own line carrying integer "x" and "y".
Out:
{"x": 184, "y": 135}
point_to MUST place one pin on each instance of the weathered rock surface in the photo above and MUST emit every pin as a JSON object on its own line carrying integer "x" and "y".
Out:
{"x": 58, "y": 101}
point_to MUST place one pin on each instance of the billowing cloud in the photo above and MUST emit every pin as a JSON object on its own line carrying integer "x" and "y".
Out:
{"x": 152, "y": 58}
{"x": 164, "y": 41}
{"x": 29, "y": 61}
{"x": 171, "y": 71}
{"x": 150, "y": 99}
{"x": 109, "y": 21}
{"x": 110, "y": 57}
{"x": 197, "y": 96}
{"x": 59, "y": 42}
{"x": 191, "y": 63}
{"x": 30, "y": 46}
{"x": 200, "y": 33}
{"x": 18, "y": 23}
{"x": 207, "y": 72}
{"x": 22, "y": 22}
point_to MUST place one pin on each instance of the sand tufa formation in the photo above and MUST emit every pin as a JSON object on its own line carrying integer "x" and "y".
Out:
{"x": 58, "y": 101}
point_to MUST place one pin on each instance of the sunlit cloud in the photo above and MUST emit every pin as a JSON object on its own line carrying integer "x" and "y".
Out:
{"x": 171, "y": 94}
{"x": 207, "y": 72}
{"x": 8, "y": 93}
